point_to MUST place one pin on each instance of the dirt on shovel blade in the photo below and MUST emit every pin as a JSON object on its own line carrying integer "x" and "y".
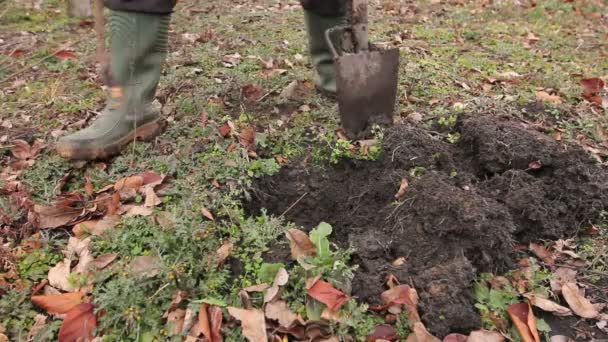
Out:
{"x": 465, "y": 206}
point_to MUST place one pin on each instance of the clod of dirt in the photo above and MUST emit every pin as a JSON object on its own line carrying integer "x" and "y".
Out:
{"x": 465, "y": 205}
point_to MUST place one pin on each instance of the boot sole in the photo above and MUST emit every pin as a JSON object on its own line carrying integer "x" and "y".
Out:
{"x": 143, "y": 133}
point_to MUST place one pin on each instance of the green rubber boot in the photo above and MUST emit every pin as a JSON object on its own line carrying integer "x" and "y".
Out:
{"x": 320, "y": 54}
{"x": 138, "y": 49}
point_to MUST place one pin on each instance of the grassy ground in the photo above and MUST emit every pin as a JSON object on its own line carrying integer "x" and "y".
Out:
{"x": 456, "y": 56}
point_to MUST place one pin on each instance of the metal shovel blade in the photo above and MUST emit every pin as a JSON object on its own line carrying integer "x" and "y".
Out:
{"x": 367, "y": 88}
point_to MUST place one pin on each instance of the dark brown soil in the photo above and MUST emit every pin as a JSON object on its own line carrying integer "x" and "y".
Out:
{"x": 464, "y": 208}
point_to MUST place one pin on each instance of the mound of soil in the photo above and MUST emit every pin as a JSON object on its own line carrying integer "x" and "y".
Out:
{"x": 466, "y": 204}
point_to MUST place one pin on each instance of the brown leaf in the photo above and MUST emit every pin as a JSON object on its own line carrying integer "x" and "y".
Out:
{"x": 55, "y": 216}
{"x": 485, "y": 336}
{"x": 279, "y": 310}
{"x": 23, "y": 151}
{"x": 252, "y": 92}
{"x": 300, "y": 244}
{"x": 104, "y": 260}
{"x": 88, "y": 186}
{"x": 400, "y": 195}
{"x": 65, "y": 54}
{"x": 175, "y": 321}
{"x": 562, "y": 276}
{"x": 548, "y": 305}
{"x": 215, "y": 320}
{"x": 203, "y": 326}
{"x": 152, "y": 199}
{"x": 224, "y": 252}
{"x": 535, "y": 165}
{"x": 253, "y": 323}
{"x": 96, "y": 227}
{"x": 327, "y": 294}
{"x": 188, "y": 322}
{"x": 207, "y": 213}
{"x": 146, "y": 266}
{"x": 132, "y": 182}
{"x": 247, "y": 137}
{"x": 257, "y": 288}
{"x": 592, "y": 86}
{"x": 225, "y": 130}
{"x": 544, "y": 96}
{"x": 78, "y": 324}
{"x": 455, "y": 338}
{"x": 577, "y": 302}
{"x": 39, "y": 323}
{"x": 383, "y": 332}
{"x": 138, "y": 210}
{"x": 342, "y": 134}
{"x": 543, "y": 253}
{"x": 524, "y": 320}
{"x": 403, "y": 295}
{"x": 58, "y": 303}
{"x": 59, "y": 276}
{"x": 420, "y": 334}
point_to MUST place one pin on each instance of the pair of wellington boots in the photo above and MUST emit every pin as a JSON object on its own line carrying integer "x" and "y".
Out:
{"x": 138, "y": 49}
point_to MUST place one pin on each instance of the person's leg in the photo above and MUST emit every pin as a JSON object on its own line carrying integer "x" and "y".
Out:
{"x": 138, "y": 49}
{"x": 321, "y": 15}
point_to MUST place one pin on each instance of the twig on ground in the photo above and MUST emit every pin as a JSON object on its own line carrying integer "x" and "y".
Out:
{"x": 294, "y": 204}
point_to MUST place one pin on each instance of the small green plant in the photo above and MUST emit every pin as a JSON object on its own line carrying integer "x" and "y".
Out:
{"x": 492, "y": 303}
{"x": 418, "y": 171}
{"x": 448, "y": 121}
{"x": 35, "y": 265}
{"x": 453, "y": 138}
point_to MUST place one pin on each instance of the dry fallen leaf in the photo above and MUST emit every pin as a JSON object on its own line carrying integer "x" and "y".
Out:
{"x": 327, "y": 294}
{"x": 300, "y": 243}
{"x": 96, "y": 227}
{"x": 55, "y": 216}
{"x": 253, "y": 323}
{"x": 247, "y": 137}
{"x": 252, "y": 92}
{"x": 543, "y": 253}
{"x": 524, "y": 320}
{"x": 400, "y": 195}
{"x": 279, "y": 310}
{"x": 485, "y": 336}
{"x": 104, "y": 260}
{"x": 577, "y": 302}
{"x": 548, "y": 305}
{"x": 544, "y": 96}
{"x": 146, "y": 266}
{"x": 152, "y": 199}
{"x": 403, "y": 295}
{"x": 383, "y": 332}
{"x": 560, "y": 277}
{"x": 78, "y": 324}
{"x": 39, "y": 323}
{"x": 535, "y": 165}
{"x": 58, "y": 303}
{"x": 420, "y": 334}
{"x": 138, "y": 210}
{"x": 207, "y": 213}
{"x": 175, "y": 321}
{"x": 224, "y": 252}
{"x": 59, "y": 276}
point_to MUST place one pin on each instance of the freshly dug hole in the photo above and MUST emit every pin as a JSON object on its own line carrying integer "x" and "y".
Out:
{"x": 464, "y": 207}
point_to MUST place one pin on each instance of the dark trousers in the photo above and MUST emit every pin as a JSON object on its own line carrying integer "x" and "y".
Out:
{"x": 330, "y": 8}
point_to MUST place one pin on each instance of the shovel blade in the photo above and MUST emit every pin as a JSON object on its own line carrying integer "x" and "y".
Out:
{"x": 367, "y": 89}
